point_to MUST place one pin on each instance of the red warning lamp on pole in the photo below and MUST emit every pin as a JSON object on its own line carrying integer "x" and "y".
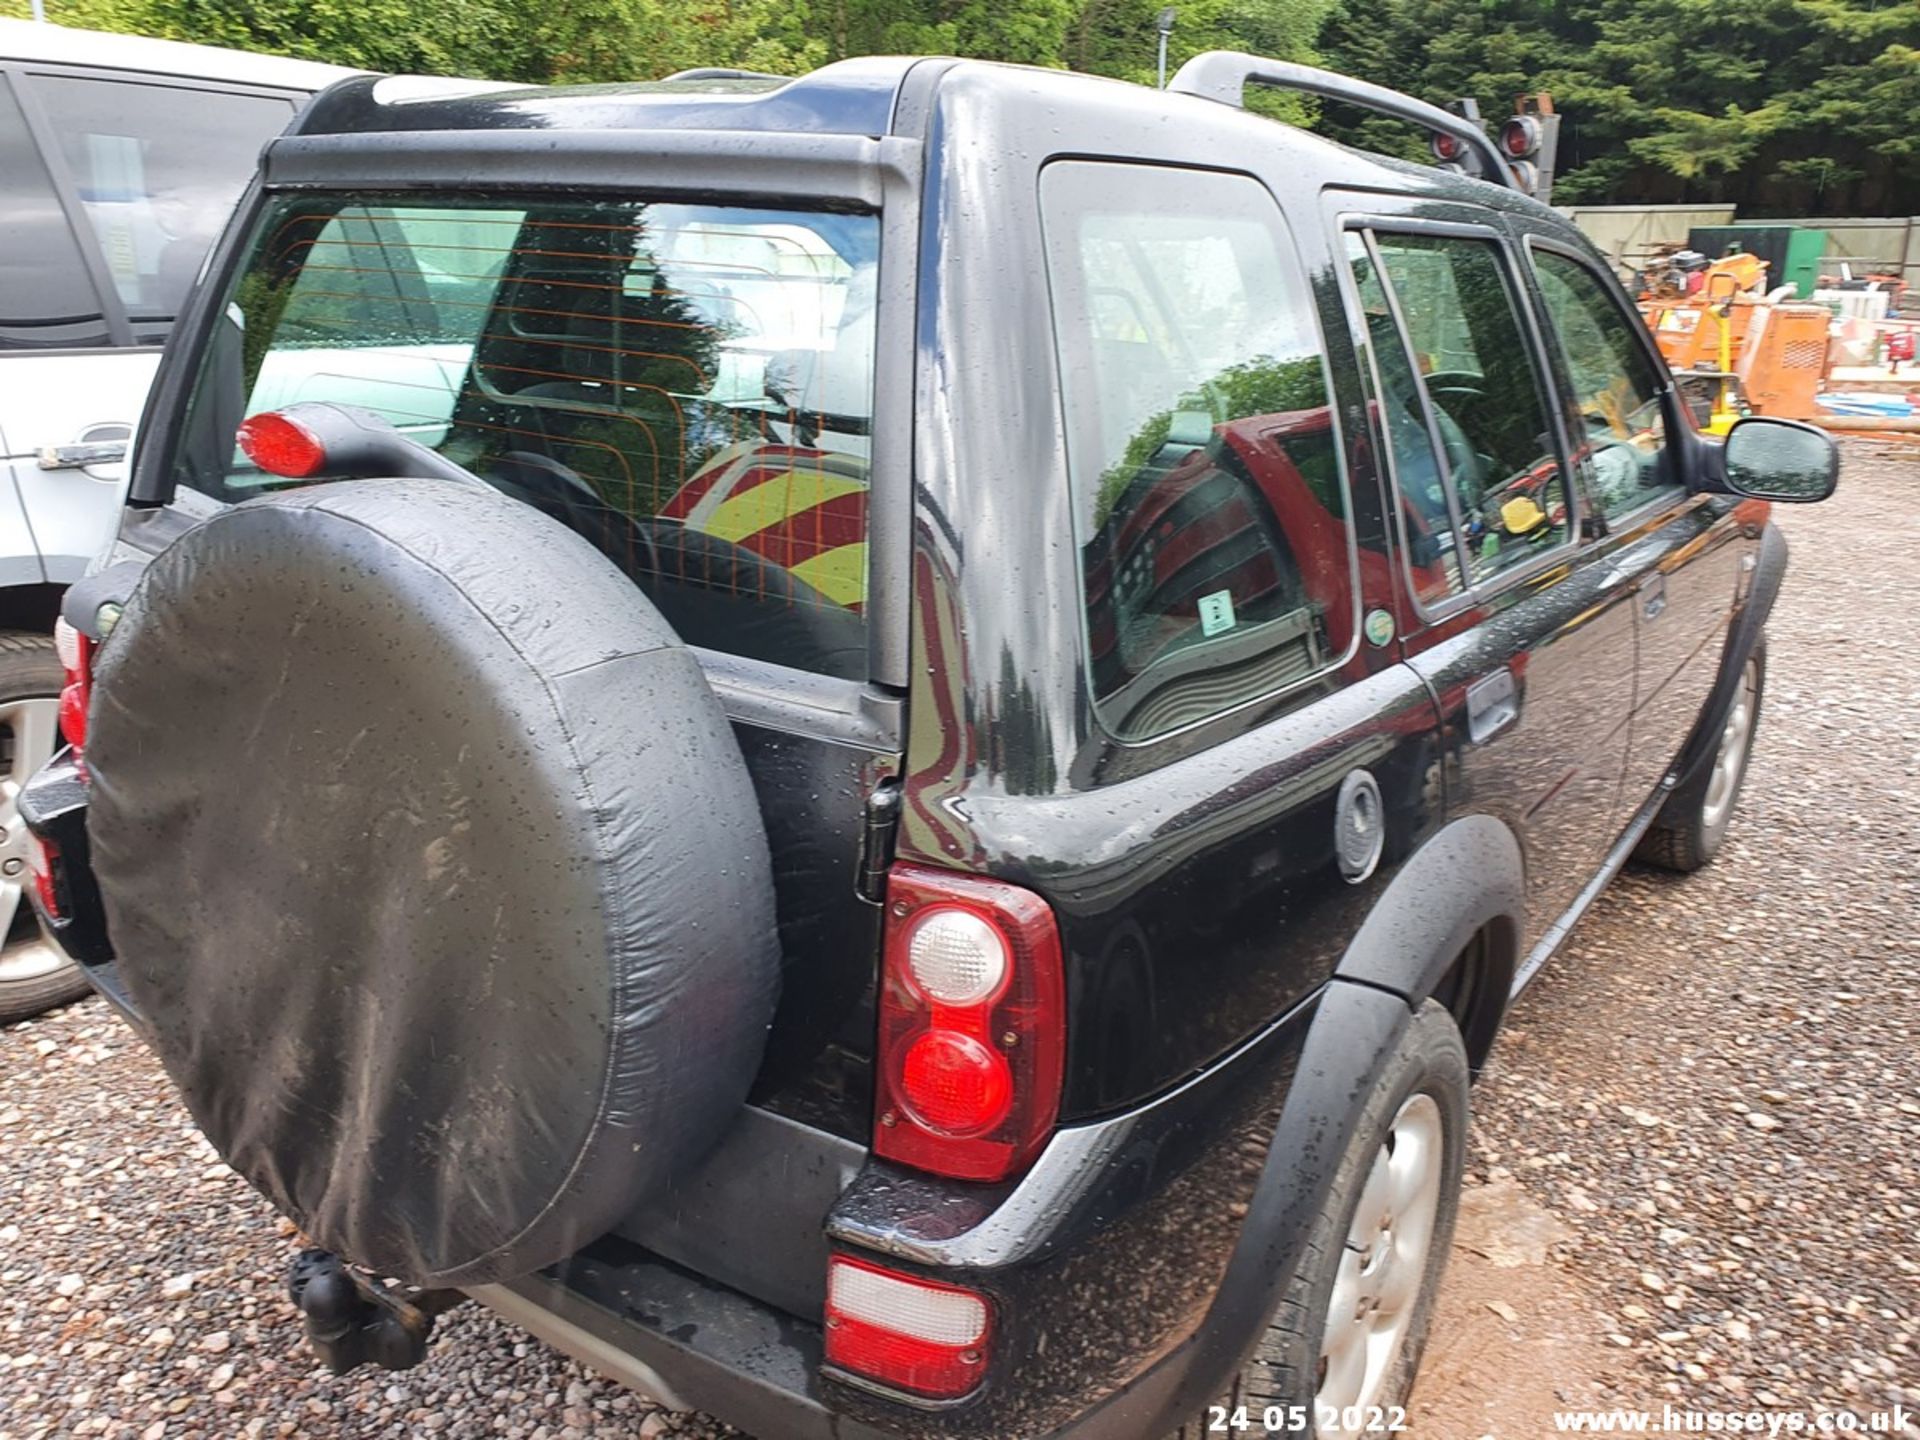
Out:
{"x": 1528, "y": 140}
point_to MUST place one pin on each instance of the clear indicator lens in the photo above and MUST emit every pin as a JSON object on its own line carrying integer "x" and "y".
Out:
{"x": 66, "y": 644}
{"x": 956, "y": 958}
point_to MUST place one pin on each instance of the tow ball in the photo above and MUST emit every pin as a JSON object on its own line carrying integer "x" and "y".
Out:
{"x": 354, "y": 1320}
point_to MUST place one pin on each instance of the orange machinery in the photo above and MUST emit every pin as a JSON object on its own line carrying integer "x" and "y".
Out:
{"x": 1784, "y": 361}
{"x": 1774, "y": 352}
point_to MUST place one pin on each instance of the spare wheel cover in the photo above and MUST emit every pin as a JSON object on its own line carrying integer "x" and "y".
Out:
{"x": 434, "y": 865}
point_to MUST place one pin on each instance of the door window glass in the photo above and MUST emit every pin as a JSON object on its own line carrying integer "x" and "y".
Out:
{"x": 157, "y": 169}
{"x": 1619, "y": 412}
{"x": 1208, "y": 497}
{"x": 46, "y": 298}
{"x": 1508, "y": 497}
{"x": 1426, "y": 516}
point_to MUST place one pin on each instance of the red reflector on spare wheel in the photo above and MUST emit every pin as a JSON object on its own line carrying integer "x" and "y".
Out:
{"x": 972, "y": 1025}
{"x": 281, "y": 446}
{"x": 904, "y": 1332}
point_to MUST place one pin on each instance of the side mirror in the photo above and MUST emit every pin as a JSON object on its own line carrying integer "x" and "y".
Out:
{"x": 1785, "y": 460}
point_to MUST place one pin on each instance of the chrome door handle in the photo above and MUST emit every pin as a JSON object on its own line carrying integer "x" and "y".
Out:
{"x": 76, "y": 457}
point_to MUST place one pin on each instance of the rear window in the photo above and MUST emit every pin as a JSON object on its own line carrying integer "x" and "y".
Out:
{"x": 687, "y": 386}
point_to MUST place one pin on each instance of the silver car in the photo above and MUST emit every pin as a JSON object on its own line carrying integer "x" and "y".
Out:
{"x": 121, "y": 158}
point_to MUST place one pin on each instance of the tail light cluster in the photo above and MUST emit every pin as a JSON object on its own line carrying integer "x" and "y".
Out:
{"x": 972, "y": 1038}
{"x": 76, "y": 658}
{"x": 972, "y": 1046}
{"x": 42, "y": 857}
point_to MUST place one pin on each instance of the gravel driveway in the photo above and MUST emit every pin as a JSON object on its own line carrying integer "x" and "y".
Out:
{"x": 1694, "y": 1166}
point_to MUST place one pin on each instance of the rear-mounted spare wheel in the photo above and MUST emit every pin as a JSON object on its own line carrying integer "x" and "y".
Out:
{"x": 432, "y": 861}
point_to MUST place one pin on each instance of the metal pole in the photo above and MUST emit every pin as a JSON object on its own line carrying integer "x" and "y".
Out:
{"x": 40, "y": 14}
{"x": 1163, "y": 52}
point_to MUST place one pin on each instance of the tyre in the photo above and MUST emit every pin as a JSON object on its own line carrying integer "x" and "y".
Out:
{"x": 1693, "y": 825}
{"x": 434, "y": 867}
{"x": 35, "y": 975}
{"x": 1347, "y": 1336}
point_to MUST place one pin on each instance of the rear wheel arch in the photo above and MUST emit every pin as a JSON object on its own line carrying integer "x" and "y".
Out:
{"x": 1449, "y": 926}
{"x": 32, "y": 608}
{"x": 1475, "y": 987}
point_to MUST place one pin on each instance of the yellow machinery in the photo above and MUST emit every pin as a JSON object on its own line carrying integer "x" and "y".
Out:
{"x": 1726, "y": 333}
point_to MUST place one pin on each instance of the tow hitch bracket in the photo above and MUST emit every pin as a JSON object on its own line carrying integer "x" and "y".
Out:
{"x": 354, "y": 1320}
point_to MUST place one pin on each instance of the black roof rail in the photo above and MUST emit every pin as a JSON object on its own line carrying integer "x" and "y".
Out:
{"x": 1223, "y": 75}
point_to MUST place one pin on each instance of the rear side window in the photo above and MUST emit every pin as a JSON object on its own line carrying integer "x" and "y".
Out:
{"x": 157, "y": 169}
{"x": 46, "y": 298}
{"x": 687, "y": 386}
{"x": 1215, "y": 550}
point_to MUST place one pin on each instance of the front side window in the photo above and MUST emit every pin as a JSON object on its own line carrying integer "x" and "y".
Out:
{"x": 687, "y": 386}
{"x": 1208, "y": 498}
{"x": 157, "y": 169}
{"x": 46, "y": 299}
{"x": 1619, "y": 411}
{"x": 1485, "y": 408}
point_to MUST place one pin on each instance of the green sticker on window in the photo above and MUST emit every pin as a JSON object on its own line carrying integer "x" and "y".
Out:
{"x": 1216, "y": 612}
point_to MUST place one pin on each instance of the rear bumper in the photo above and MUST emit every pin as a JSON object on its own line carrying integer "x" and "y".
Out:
{"x": 1102, "y": 1263}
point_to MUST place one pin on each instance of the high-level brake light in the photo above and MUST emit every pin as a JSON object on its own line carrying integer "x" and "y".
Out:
{"x": 281, "y": 446}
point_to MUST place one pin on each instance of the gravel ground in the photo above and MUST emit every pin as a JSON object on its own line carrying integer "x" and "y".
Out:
{"x": 1713, "y": 1089}
{"x": 1715, "y": 1085}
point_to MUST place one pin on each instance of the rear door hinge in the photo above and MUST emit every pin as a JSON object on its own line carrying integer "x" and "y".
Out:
{"x": 880, "y": 825}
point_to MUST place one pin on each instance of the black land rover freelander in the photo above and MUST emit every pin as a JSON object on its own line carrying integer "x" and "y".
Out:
{"x": 879, "y": 749}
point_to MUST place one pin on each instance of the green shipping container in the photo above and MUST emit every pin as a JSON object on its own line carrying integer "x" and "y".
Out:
{"x": 1792, "y": 253}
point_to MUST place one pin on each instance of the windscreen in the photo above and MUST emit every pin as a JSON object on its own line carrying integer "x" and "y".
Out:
{"x": 687, "y": 386}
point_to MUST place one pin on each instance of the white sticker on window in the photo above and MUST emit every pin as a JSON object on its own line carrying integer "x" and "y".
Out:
{"x": 1216, "y": 612}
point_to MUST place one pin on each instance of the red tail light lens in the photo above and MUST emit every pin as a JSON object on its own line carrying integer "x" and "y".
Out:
{"x": 76, "y": 659}
{"x": 42, "y": 856}
{"x": 972, "y": 1025}
{"x": 279, "y": 446}
{"x": 904, "y": 1332}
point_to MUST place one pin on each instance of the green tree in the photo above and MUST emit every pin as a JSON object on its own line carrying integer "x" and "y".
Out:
{"x": 1781, "y": 106}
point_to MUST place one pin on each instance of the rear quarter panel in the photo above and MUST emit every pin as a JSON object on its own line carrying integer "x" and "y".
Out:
{"x": 1194, "y": 876}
